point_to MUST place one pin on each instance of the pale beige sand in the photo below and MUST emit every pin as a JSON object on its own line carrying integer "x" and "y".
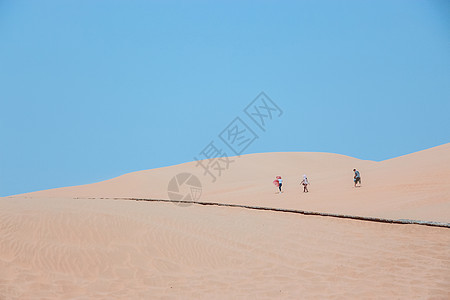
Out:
{"x": 414, "y": 186}
{"x": 59, "y": 248}
{"x": 53, "y": 246}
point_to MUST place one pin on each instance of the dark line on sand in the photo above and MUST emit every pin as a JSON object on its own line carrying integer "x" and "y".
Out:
{"x": 296, "y": 211}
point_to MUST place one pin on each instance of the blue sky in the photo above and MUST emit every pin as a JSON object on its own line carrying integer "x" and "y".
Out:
{"x": 90, "y": 90}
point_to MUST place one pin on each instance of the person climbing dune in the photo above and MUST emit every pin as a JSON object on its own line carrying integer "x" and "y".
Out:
{"x": 357, "y": 177}
{"x": 280, "y": 183}
{"x": 305, "y": 183}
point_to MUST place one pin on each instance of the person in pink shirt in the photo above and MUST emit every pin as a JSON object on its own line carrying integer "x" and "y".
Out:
{"x": 280, "y": 183}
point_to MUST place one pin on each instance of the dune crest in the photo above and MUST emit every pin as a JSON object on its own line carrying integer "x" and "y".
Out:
{"x": 413, "y": 186}
{"x": 56, "y": 244}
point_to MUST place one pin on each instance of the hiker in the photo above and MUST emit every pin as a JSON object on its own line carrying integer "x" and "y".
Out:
{"x": 280, "y": 182}
{"x": 357, "y": 177}
{"x": 305, "y": 183}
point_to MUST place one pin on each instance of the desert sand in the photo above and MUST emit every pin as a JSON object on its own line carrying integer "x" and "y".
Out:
{"x": 58, "y": 244}
{"x": 414, "y": 186}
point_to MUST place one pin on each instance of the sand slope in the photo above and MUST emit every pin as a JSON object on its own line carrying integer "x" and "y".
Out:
{"x": 60, "y": 248}
{"x": 56, "y": 244}
{"x": 414, "y": 186}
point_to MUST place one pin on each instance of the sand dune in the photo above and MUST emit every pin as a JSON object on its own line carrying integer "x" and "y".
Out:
{"x": 414, "y": 186}
{"x": 56, "y": 244}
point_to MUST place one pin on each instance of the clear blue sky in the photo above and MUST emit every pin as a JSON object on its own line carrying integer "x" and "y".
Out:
{"x": 90, "y": 90}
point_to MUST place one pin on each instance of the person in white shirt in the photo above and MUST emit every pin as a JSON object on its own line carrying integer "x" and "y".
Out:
{"x": 305, "y": 183}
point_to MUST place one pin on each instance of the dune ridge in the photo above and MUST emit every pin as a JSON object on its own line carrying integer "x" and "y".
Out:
{"x": 294, "y": 211}
{"x": 414, "y": 186}
{"x": 69, "y": 243}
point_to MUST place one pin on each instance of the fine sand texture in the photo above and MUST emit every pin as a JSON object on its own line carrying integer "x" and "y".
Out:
{"x": 81, "y": 243}
{"x": 62, "y": 248}
{"x": 414, "y": 186}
